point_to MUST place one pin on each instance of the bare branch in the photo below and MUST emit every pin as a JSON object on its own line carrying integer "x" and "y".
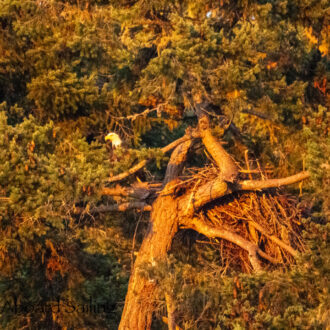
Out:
{"x": 256, "y": 114}
{"x": 116, "y": 207}
{"x": 123, "y": 207}
{"x": 176, "y": 163}
{"x": 190, "y": 134}
{"x": 255, "y": 171}
{"x": 218, "y": 188}
{"x": 143, "y": 113}
{"x": 143, "y": 163}
{"x": 138, "y": 190}
{"x": 225, "y": 163}
{"x": 272, "y": 183}
{"x": 129, "y": 172}
{"x": 251, "y": 248}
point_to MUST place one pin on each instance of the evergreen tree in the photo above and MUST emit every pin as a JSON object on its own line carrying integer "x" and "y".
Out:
{"x": 203, "y": 80}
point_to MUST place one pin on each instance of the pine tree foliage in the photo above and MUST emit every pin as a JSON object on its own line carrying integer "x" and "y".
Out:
{"x": 207, "y": 299}
{"x": 73, "y": 70}
{"x": 46, "y": 255}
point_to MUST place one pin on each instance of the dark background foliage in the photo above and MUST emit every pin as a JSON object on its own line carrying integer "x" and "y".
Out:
{"x": 71, "y": 71}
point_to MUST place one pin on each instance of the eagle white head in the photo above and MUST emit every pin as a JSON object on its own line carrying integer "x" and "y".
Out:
{"x": 115, "y": 139}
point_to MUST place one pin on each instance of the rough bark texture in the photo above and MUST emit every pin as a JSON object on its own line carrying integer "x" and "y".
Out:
{"x": 227, "y": 166}
{"x": 170, "y": 312}
{"x": 139, "y": 303}
{"x": 176, "y": 162}
{"x": 172, "y": 209}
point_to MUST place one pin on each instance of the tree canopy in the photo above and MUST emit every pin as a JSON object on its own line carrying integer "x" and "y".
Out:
{"x": 222, "y": 96}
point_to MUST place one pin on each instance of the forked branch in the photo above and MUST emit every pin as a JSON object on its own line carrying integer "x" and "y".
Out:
{"x": 212, "y": 232}
{"x": 218, "y": 188}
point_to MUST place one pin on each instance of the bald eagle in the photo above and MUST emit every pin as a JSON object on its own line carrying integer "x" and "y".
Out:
{"x": 114, "y": 139}
{"x": 115, "y": 144}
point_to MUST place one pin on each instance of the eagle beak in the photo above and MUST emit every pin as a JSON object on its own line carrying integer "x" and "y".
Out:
{"x": 114, "y": 139}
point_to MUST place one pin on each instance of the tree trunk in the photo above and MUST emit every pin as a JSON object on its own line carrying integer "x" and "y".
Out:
{"x": 164, "y": 221}
{"x": 172, "y": 209}
{"x": 139, "y": 303}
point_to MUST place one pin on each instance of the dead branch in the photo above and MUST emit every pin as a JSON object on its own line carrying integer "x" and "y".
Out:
{"x": 256, "y": 114}
{"x": 129, "y": 172}
{"x": 212, "y": 232}
{"x": 115, "y": 207}
{"x": 177, "y": 160}
{"x": 218, "y": 188}
{"x": 143, "y": 163}
{"x": 138, "y": 190}
{"x": 123, "y": 207}
{"x": 254, "y": 171}
{"x": 143, "y": 114}
{"x": 225, "y": 163}
{"x": 272, "y": 183}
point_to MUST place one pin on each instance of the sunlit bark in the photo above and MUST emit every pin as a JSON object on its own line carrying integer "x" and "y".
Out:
{"x": 225, "y": 163}
{"x": 171, "y": 210}
{"x": 139, "y": 302}
{"x": 164, "y": 222}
